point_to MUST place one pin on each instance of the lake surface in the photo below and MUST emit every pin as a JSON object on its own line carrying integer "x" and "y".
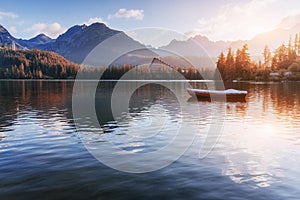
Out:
{"x": 43, "y": 153}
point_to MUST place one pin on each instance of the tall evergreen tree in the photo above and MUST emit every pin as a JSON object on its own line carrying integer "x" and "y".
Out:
{"x": 291, "y": 51}
{"x": 230, "y": 65}
{"x": 267, "y": 57}
{"x": 297, "y": 44}
{"x": 282, "y": 58}
{"x": 243, "y": 63}
{"x": 221, "y": 67}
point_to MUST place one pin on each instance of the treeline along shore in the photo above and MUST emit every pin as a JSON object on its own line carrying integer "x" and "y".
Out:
{"x": 38, "y": 64}
{"x": 281, "y": 65}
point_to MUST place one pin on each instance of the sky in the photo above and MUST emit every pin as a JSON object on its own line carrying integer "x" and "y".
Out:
{"x": 215, "y": 19}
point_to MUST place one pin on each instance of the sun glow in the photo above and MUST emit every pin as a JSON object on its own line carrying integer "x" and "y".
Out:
{"x": 259, "y": 29}
{"x": 238, "y": 21}
{"x": 268, "y": 130}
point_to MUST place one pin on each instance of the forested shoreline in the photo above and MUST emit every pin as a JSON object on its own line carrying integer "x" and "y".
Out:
{"x": 34, "y": 64}
{"x": 281, "y": 65}
{"x": 38, "y": 64}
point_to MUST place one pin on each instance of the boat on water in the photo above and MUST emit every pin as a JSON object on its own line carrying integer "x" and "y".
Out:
{"x": 230, "y": 94}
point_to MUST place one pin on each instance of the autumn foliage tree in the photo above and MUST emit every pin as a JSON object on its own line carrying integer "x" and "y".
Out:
{"x": 28, "y": 64}
{"x": 245, "y": 69}
{"x": 236, "y": 66}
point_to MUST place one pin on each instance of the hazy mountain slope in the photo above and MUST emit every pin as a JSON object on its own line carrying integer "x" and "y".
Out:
{"x": 77, "y": 42}
{"x": 202, "y": 46}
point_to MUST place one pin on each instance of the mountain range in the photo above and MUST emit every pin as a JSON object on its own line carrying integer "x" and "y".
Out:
{"x": 74, "y": 44}
{"x": 79, "y": 40}
{"x": 203, "y": 46}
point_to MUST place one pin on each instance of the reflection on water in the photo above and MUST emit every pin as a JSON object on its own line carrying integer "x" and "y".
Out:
{"x": 262, "y": 135}
{"x": 41, "y": 155}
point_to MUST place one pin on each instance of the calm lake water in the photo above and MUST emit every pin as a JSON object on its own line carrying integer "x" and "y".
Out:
{"x": 43, "y": 156}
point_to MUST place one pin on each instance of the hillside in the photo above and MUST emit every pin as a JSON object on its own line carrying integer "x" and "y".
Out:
{"x": 202, "y": 46}
{"x": 75, "y": 44}
{"x": 78, "y": 41}
{"x": 36, "y": 64}
{"x": 36, "y": 42}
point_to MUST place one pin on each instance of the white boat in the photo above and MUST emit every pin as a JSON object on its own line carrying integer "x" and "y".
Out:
{"x": 230, "y": 94}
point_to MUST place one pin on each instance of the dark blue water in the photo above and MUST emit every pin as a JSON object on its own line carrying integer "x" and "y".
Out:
{"x": 42, "y": 155}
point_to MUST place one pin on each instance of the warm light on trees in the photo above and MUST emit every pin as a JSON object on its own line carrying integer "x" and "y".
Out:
{"x": 245, "y": 69}
{"x": 267, "y": 57}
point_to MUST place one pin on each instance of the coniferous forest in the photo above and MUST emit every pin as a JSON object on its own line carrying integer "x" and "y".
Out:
{"x": 282, "y": 64}
{"x": 38, "y": 64}
{"x": 34, "y": 64}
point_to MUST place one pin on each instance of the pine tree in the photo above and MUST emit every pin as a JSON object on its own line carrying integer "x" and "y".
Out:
{"x": 267, "y": 57}
{"x": 221, "y": 67}
{"x": 297, "y": 44}
{"x": 274, "y": 62}
{"x": 291, "y": 51}
{"x": 282, "y": 57}
{"x": 238, "y": 62}
{"x": 230, "y": 65}
{"x": 243, "y": 63}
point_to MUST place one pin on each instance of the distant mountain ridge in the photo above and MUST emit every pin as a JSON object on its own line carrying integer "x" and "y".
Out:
{"x": 75, "y": 44}
{"x": 202, "y": 46}
{"x": 7, "y": 39}
{"x": 36, "y": 42}
{"x": 40, "y": 39}
{"x": 79, "y": 40}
